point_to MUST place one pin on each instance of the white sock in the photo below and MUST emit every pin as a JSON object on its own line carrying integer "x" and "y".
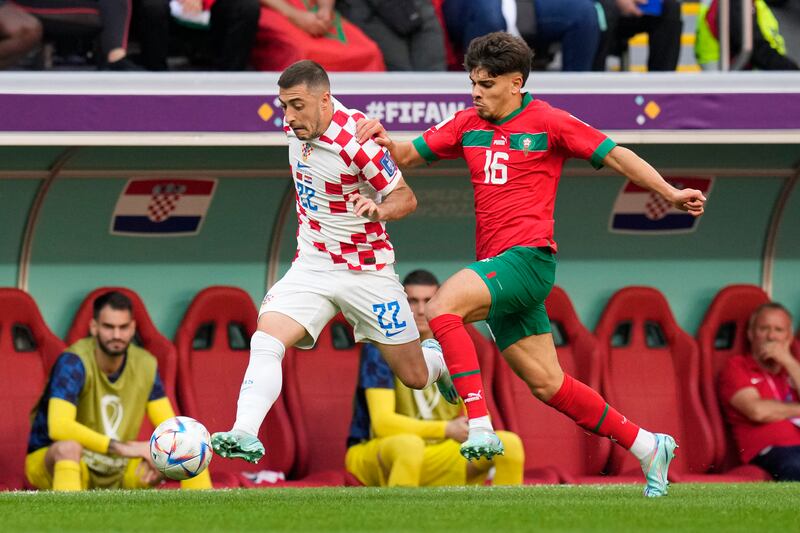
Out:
{"x": 434, "y": 360}
{"x": 262, "y": 382}
{"x": 482, "y": 422}
{"x": 643, "y": 445}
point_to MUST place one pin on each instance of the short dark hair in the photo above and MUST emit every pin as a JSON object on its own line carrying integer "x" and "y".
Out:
{"x": 420, "y": 277}
{"x": 305, "y": 72}
{"x": 499, "y": 53}
{"x": 113, "y": 299}
{"x": 769, "y": 306}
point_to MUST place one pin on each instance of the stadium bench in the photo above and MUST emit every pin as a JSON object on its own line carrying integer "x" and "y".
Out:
{"x": 213, "y": 345}
{"x": 26, "y": 345}
{"x": 723, "y": 333}
{"x": 554, "y": 444}
{"x": 491, "y": 364}
{"x": 652, "y": 376}
{"x": 319, "y": 385}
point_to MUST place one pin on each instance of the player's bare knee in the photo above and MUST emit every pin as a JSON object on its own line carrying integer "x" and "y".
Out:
{"x": 544, "y": 387}
{"x": 413, "y": 376}
{"x": 66, "y": 450}
{"x": 436, "y": 307}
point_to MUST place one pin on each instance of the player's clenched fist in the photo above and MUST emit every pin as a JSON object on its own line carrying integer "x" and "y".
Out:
{"x": 689, "y": 200}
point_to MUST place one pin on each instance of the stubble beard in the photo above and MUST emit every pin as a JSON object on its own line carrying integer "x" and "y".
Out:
{"x": 113, "y": 353}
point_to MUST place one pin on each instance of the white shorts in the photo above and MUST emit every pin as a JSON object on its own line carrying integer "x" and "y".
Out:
{"x": 374, "y": 303}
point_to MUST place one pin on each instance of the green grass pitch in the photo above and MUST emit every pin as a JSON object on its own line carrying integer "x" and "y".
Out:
{"x": 689, "y": 507}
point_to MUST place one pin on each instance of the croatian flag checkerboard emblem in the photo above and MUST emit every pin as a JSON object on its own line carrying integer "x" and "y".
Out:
{"x": 162, "y": 207}
{"x": 637, "y": 210}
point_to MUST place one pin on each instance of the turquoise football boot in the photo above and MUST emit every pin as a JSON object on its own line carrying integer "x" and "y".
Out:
{"x": 481, "y": 443}
{"x": 237, "y": 444}
{"x": 445, "y": 382}
{"x": 656, "y": 466}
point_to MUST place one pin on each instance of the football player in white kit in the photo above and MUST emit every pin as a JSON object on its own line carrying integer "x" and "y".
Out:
{"x": 346, "y": 191}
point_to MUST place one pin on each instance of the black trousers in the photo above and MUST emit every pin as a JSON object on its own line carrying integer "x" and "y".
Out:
{"x": 231, "y": 34}
{"x": 782, "y": 462}
{"x": 664, "y": 33}
{"x": 66, "y": 18}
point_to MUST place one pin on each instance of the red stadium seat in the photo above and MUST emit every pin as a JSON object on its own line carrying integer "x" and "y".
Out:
{"x": 652, "y": 375}
{"x": 26, "y": 345}
{"x": 147, "y": 336}
{"x": 553, "y": 442}
{"x": 213, "y": 343}
{"x": 723, "y": 333}
{"x": 492, "y": 363}
{"x": 320, "y": 385}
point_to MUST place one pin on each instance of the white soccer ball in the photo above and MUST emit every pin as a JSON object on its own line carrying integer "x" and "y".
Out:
{"x": 181, "y": 447}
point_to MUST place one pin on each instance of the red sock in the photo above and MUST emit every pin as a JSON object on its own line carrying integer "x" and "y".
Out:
{"x": 462, "y": 362}
{"x": 591, "y": 412}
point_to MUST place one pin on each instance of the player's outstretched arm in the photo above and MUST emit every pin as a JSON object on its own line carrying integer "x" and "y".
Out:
{"x": 641, "y": 173}
{"x": 403, "y": 152}
{"x": 395, "y": 205}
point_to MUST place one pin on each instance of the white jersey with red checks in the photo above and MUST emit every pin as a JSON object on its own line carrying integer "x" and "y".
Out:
{"x": 326, "y": 171}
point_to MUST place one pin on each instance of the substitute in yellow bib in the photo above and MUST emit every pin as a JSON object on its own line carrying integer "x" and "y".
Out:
{"x": 405, "y": 437}
{"x": 85, "y": 423}
{"x": 769, "y": 47}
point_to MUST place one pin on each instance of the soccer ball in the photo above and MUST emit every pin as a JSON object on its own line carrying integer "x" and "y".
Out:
{"x": 180, "y": 447}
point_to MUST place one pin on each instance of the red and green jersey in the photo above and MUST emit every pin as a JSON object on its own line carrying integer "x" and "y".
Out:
{"x": 515, "y": 164}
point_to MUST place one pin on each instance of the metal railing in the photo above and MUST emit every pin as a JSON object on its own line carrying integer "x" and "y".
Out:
{"x": 724, "y": 20}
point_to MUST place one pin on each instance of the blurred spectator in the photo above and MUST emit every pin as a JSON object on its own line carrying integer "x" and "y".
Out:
{"x": 314, "y": 22}
{"x": 67, "y": 18}
{"x": 468, "y": 19}
{"x": 19, "y": 33}
{"x": 411, "y": 438}
{"x": 542, "y": 23}
{"x": 293, "y": 30}
{"x": 85, "y": 423}
{"x": 759, "y": 395}
{"x": 573, "y": 23}
{"x": 230, "y": 32}
{"x": 407, "y": 31}
{"x": 660, "y": 19}
{"x": 769, "y": 48}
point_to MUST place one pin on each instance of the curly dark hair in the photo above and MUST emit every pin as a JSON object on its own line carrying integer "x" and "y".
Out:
{"x": 499, "y": 53}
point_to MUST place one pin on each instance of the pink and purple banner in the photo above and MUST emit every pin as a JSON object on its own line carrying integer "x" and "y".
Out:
{"x": 399, "y": 112}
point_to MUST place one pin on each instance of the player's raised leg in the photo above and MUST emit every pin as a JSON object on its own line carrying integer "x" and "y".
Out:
{"x": 260, "y": 387}
{"x": 377, "y": 307}
{"x": 419, "y": 365}
{"x": 535, "y": 360}
{"x": 462, "y": 299}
